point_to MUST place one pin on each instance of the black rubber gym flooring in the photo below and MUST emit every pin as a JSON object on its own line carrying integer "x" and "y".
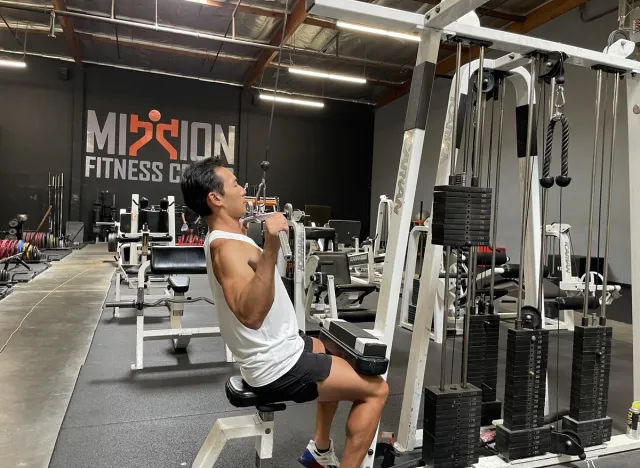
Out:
{"x": 159, "y": 417}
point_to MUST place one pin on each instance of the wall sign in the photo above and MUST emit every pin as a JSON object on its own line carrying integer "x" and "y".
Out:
{"x": 151, "y": 148}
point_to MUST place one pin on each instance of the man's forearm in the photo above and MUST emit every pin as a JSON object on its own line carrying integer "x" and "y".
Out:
{"x": 257, "y": 296}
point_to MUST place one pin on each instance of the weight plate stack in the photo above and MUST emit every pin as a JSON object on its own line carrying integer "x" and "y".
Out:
{"x": 451, "y": 426}
{"x": 461, "y": 216}
{"x": 491, "y": 407}
{"x": 522, "y": 435}
{"x": 475, "y": 373}
{"x": 590, "y": 385}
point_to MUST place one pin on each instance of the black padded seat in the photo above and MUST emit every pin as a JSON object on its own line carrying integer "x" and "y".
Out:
{"x": 134, "y": 270}
{"x": 317, "y": 233}
{"x": 179, "y": 283}
{"x": 178, "y": 260}
{"x": 241, "y": 395}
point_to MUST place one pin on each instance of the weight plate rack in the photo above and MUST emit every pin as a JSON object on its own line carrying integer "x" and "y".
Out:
{"x": 590, "y": 385}
{"x": 461, "y": 216}
{"x": 451, "y": 426}
{"x": 523, "y": 433}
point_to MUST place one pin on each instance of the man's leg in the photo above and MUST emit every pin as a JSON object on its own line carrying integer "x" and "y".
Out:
{"x": 368, "y": 394}
{"x": 325, "y": 412}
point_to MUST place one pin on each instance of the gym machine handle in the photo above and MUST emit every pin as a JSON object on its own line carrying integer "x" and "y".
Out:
{"x": 128, "y": 238}
{"x": 284, "y": 236}
{"x": 563, "y": 179}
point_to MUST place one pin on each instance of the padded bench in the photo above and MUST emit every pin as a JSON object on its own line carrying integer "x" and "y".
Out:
{"x": 361, "y": 349}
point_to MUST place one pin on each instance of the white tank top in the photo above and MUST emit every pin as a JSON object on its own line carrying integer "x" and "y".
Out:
{"x": 265, "y": 354}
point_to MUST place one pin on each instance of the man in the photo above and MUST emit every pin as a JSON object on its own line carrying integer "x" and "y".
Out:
{"x": 258, "y": 322}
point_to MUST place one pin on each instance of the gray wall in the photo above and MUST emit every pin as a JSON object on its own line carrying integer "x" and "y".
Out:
{"x": 580, "y": 95}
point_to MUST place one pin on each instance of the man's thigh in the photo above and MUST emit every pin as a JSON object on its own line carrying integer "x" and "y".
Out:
{"x": 345, "y": 384}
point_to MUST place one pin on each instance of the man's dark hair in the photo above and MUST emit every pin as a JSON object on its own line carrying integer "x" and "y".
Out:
{"x": 198, "y": 181}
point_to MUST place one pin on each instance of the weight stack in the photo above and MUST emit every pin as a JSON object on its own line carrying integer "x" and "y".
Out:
{"x": 523, "y": 433}
{"x": 590, "y": 385}
{"x": 451, "y": 428}
{"x": 491, "y": 407}
{"x": 461, "y": 216}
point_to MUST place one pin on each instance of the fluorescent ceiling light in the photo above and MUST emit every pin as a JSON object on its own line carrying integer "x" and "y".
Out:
{"x": 330, "y": 76}
{"x": 380, "y": 32}
{"x": 288, "y": 100}
{"x": 12, "y": 63}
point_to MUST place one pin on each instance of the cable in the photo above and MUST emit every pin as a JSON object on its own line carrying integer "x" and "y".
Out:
{"x": 604, "y": 127}
{"x": 11, "y": 30}
{"x": 275, "y": 88}
{"x": 233, "y": 15}
{"x": 40, "y": 302}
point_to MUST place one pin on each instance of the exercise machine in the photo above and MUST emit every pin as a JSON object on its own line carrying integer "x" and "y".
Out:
{"x": 454, "y": 20}
{"x": 174, "y": 263}
{"x": 134, "y": 247}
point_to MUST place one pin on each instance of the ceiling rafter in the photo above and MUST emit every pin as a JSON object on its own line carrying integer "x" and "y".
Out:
{"x": 75, "y": 46}
{"x": 294, "y": 20}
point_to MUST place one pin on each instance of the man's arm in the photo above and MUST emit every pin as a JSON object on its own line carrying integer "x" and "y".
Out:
{"x": 249, "y": 294}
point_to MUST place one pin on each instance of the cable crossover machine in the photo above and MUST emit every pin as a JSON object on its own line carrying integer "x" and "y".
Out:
{"x": 465, "y": 217}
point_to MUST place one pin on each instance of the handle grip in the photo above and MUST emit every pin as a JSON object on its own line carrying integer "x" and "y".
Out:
{"x": 284, "y": 245}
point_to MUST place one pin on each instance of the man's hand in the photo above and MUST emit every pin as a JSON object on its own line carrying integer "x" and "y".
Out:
{"x": 273, "y": 225}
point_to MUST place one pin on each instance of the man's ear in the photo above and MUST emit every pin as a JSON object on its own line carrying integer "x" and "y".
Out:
{"x": 215, "y": 199}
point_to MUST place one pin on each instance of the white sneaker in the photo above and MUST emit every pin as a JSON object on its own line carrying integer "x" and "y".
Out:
{"x": 311, "y": 458}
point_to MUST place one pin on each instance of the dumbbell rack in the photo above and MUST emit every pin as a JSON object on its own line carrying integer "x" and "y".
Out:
{"x": 590, "y": 385}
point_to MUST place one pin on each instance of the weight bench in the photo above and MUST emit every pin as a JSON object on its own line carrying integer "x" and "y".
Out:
{"x": 175, "y": 263}
{"x": 349, "y": 343}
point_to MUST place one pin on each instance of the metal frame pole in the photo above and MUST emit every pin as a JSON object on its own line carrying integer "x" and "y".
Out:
{"x": 407, "y": 181}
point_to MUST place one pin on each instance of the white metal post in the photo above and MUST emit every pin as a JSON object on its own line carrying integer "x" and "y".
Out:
{"x": 408, "y": 170}
{"x": 633, "y": 123}
{"x": 171, "y": 212}
{"x": 133, "y": 253}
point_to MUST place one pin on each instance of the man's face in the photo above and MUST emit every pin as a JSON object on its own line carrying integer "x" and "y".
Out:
{"x": 233, "y": 200}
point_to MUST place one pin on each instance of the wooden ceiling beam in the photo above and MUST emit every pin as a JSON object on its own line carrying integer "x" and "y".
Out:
{"x": 294, "y": 20}
{"x": 75, "y": 46}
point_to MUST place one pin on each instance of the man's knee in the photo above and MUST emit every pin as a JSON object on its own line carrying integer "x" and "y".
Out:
{"x": 382, "y": 390}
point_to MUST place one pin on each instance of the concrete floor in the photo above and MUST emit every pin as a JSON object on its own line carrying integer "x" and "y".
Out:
{"x": 159, "y": 417}
{"x": 47, "y": 326}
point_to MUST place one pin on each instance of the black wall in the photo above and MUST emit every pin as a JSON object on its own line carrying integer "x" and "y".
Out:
{"x": 318, "y": 156}
{"x": 36, "y": 126}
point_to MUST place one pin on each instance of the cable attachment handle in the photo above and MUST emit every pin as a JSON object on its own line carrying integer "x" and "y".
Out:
{"x": 262, "y": 188}
{"x": 563, "y": 180}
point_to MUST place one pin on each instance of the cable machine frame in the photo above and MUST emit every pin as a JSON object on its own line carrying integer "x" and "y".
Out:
{"x": 446, "y": 20}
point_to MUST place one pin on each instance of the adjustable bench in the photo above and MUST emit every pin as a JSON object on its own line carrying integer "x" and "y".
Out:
{"x": 174, "y": 262}
{"x": 342, "y": 338}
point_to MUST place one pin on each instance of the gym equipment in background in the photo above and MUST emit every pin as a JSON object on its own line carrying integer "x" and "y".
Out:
{"x": 174, "y": 263}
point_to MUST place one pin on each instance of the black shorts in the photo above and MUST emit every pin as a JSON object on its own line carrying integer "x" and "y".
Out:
{"x": 300, "y": 384}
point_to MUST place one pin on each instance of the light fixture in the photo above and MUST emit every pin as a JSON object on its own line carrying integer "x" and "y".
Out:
{"x": 288, "y": 100}
{"x": 378, "y": 31}
{"x": 330, "y": 76}
{"x": 12, "y": 63}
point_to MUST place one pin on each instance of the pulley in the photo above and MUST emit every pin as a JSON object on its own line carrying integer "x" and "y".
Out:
{"x": 531, "y": 318}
